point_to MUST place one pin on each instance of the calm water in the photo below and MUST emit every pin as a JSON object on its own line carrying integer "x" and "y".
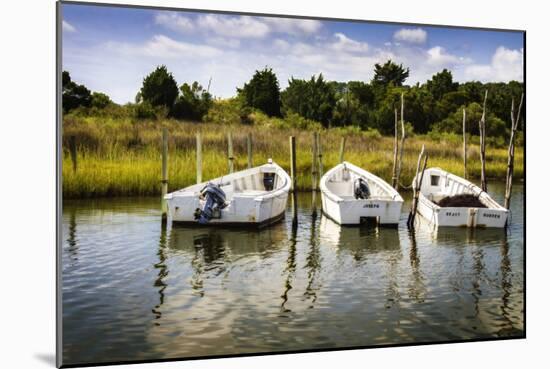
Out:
{"x": 133, "y": 291}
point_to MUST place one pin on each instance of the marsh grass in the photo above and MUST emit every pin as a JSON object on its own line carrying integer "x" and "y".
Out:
{"x": 120, "y": 157}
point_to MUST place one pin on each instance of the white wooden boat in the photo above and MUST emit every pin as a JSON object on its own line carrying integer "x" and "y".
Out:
{"x": 340, "y": 201}
{"x": 255, "y": 196}
{"x": 438, "y": 184}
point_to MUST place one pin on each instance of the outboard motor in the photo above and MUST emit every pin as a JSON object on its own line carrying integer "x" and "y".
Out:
{"x": 215, "y": 201}
{"x": 269, "y": 181}
{"x": 361, "y": 189}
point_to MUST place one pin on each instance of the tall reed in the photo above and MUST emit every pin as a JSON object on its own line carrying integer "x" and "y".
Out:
{"x": 119, "y": 157}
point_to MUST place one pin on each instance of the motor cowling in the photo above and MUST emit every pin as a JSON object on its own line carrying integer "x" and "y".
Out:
{"x": 269, "y": 181}
{"x": 361, "y": 189}
{"x": 215, "y": 201}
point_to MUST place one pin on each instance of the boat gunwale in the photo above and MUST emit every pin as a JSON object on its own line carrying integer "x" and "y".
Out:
{"x": 252, "y": 225}
{"x": 495, "y": 206}
{"x": 395, "y": 196}
{"x": 257, "y": 197}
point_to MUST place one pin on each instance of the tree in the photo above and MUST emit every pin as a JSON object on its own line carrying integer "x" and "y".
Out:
{"x": 385, "y": 117}
{"x": 192, "y": 103}
{"x": 496, "y": 127}
{"x": 354, "y": 103}
{"x": 449, "y": 103}
{"x": 499, "y": 98}
{"x": 419, "y": 108}
{"x": 73, "y": 95}
{"x": 474, "y": 91}
{"x": 262, "y": 92}
{"x": 159, "y": 88}
{"x": 312, "y": 99}
{"x": 441, "y": 84}
{"x": 389, "y": 74}
{"x": 100, "y": 100}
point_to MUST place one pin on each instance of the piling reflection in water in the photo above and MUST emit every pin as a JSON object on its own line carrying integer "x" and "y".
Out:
{"x": 162, "y": 273}
{"x": 135, "y": 290}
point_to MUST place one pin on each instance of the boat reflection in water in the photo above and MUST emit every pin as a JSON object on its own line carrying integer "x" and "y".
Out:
{"x": 484, "y": 254}
{"x": 215, "y": 243}
{"x": 458, "y": 236}
{"x": 359, "y": 240}
{"x": 157, "y": 292}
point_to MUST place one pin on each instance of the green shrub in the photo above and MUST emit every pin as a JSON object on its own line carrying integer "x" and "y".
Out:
{"x": 226, "y": 111}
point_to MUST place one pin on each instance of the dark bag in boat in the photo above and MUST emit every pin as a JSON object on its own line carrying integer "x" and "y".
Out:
{"x": 269, "y": 181}
{"x": 361, "y": 189}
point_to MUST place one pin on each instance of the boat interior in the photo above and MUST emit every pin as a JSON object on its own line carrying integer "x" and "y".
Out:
{"x": 438, "y": 185}
{"x": 253, "y": 182}
{"x": 342, "y": 180}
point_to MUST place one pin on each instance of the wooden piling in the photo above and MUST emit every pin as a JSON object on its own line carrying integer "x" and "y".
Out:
{"x": 511, "y": 152}
{"x": 417, "y": 183}
{"x": 164, "y": 181}
{"x": 230, "y": 157}
{"x": 319, "y": 154}
{"x": 72, "y": 151}
{"x": 400, "y": 162}
{"x": 199, "y": 158}
{"x": 314, "y": 179}
{"x": 292, "y": 143}
{"x": 342, "y": 148}
{"x": 395, "y": 150}
{"x": 482, "y": 145}
{"x": 465, "y": 147}
{"x": 249, "y": 150}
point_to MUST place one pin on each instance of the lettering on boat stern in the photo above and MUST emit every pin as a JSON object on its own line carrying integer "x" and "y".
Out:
{"x": 376, "y": 206}
{"x": 452, "y": 213}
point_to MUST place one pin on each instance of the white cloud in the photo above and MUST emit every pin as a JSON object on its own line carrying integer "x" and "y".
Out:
{"x": 506, "y": 65}
{"x": 412, "y": 35}
{"x": 293, "y": 26}
{"x": 67, "y": 27}
{"x": 223, "y": 42}
{"x": 281, "y": 45}
{"x": 237, "y": 27}
{"x": 438, "y": 56}
{"x": 346, "y": 44}
{"x": 161, "y": 46}
{"x": 174, "y": 22}
{"x": 226, "y": 49}
{"x": 241, "y": 27}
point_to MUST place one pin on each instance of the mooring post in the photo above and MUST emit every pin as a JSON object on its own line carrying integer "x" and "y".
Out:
{"x": 511, "y": 152}
{"x": 72, "y": 151}
{"x": 319, "y": 154}
{"x": 417, "y": 184}
{"x": 395, "y": 150}
{"x": 342, "y": 148}
{"x": 164, "y": 181}
{"x": 249, "y": 149}
{"x": 292, "y": 142}
{"x": 482, "y": 145}
{"x": 230, "y": 157}
{"x": 402, "y": 144}
{"x": 314, "y": 175}
{"x": 199, "y": 157}
{"x": 465, "y": 148}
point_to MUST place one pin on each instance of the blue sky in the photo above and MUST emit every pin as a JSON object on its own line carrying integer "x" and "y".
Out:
{"x": 111, "y": 49}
